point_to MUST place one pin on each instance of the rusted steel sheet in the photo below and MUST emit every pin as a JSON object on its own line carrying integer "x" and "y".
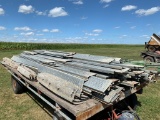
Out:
{"x": 29, "y": 52}
{"x": 38, "y": 59}
{"x": 98, "y": 68}
{"x": 98, "y": 64}
{"x": 41, "y": 68}
{"x": 113, "y": 95}
{"x": 128, "y": 65}
{"x": 54, "y": 58}
{"x": 94, "y": 58}
{"x": 54, "y": 53}
{"x": 76, "y": 71}
{"x": 58, "y": 85}
{"x": 98, "y": 84}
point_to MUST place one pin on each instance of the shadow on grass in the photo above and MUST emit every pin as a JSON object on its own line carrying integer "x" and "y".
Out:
{"x": 41, "y": 103}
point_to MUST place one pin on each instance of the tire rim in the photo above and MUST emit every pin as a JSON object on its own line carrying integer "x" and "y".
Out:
{"x": 14, "y": 85}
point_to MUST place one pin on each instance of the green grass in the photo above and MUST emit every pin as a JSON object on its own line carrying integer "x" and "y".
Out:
{"x": 22, "y": 107}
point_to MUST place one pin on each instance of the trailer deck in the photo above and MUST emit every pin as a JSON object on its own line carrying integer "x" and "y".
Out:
{"x": 93, "y": 83}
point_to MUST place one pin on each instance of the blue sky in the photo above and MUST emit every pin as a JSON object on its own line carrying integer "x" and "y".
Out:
{"x": 79, "y": 21}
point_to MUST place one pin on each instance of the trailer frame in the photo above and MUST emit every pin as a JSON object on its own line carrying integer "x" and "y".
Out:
{"x": 82, "y": 111}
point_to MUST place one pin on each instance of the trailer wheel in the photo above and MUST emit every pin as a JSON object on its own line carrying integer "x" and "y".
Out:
{"x": 151, "y": 48}
{"x": 149, "y": 59}
{"x": 17, "y": 87}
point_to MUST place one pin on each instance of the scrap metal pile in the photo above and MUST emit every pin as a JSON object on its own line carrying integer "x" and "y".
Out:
{"x": 78, "y": 77}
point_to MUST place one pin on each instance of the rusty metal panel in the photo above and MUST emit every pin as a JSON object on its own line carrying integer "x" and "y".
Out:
{"x": 54, "y": 53}
{"x": 98, "y": 84}
{"x": 93, "y": 58}
{"x": 54, "y": 58}
{"x": 41, "y": 68}
{"x": 76, "y": 71}
{"x": 113, "y": 95}
{"x": 98, "y": 64}
{"x": 58, "y": 85}
{"x": 128, "y": 65}
{"x": 29, "y": 53}
{"x": 35, "y": 58}
{"x": 98, "y": 68}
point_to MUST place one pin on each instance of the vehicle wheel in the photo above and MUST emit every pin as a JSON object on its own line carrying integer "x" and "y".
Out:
{"x": 148, "y": 59}
{"x": 151, "y": 48}
{"x": 17, "y": 87}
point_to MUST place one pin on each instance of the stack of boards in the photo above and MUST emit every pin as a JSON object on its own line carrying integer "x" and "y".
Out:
{"x": 77, "y": 77}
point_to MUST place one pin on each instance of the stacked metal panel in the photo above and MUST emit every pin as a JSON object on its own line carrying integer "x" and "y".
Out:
{"x": 77, "y": 77}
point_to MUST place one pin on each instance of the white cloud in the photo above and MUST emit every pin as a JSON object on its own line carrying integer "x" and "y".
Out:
{"x": 83, "y": 17}
{"x": 15, "y": 36}
{"x": 105, "y": 1}
{"x": 123, "y": 36}
{"x": 57, "y": 12}
{"x": 45, "y": 30}
{"x": 75, "y": 39}
{"x": 26, "y": 9}
{"x": 148, "y": 25}
{"x": 133, "y": 27}
{"x": 143, "y": 12}
{"x": 27, "y": 34}
{"x": 128, "y": 8}
{"x": 117, "y": 27}
{"x": 79, "y": 2}
{"x": 41, "y": 13}
{"x": 106, "y": 6}
{"x": 92, "y": 34}
{"x": 22, "y": 28}
{"x": 97, "y": 31}
{"x": 2, "y": 11}
{"x": 39, "y": 34}
{"x": 55, "y": 30}
{"x": 145, "y": 36}
{"x": 2, "y": 28}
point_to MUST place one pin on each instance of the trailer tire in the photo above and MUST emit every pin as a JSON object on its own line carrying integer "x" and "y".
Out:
{"x": 151, "y": 48}
{"x": 17, "y": 87}
{"x": 148, "y": 59}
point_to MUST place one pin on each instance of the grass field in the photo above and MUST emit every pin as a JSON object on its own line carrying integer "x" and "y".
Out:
{"x": 23, "y": 107}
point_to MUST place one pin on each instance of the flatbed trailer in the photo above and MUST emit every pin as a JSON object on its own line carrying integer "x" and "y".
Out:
{"x": 79, "y": 110}
{"x": 82, "y": 111}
